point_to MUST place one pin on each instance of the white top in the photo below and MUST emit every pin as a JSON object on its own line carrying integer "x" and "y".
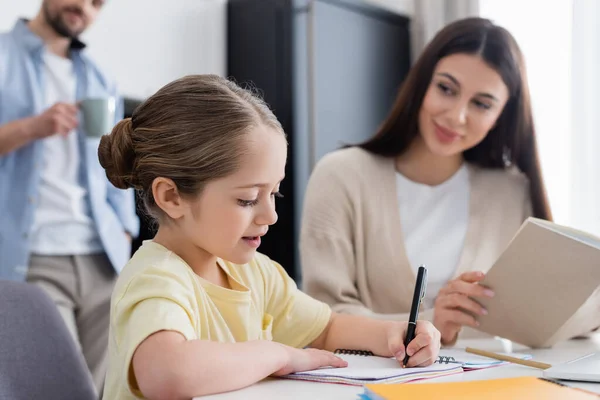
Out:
{"x": 434, "y": 223}
{"x": 62, "y": 223}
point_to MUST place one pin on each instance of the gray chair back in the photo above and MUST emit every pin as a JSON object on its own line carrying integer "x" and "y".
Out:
{"x": 38, "y": 357}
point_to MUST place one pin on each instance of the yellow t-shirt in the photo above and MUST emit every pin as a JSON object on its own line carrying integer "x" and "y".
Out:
{"x": 158, "y": 291}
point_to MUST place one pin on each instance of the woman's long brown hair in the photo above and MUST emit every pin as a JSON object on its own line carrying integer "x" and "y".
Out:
{"x": 511, "y": 141}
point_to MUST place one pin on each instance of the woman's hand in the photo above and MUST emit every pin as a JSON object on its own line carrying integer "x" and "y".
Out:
{"x": 455, "y": 307}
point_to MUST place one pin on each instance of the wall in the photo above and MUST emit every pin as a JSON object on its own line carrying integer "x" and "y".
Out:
{"x": 402, "y": 7}
{"x": 547, "y": 51}
{"x": 147, "y": 44}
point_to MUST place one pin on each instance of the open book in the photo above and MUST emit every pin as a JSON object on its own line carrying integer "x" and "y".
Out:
{"x": 372, "y": 369}
{"x": 547, "y": 286}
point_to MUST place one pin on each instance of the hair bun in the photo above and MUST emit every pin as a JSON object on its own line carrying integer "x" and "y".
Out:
{"x": 117, "y": 155}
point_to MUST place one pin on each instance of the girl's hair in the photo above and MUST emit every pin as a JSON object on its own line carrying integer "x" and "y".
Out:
{"x": 511, "y": 141}
{"x": 190, "y": 131}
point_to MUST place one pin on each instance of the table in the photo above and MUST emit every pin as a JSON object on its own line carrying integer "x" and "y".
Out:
{"x": 298, "y": 390}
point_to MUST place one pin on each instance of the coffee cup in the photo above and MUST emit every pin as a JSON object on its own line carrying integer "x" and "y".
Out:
{"x": 98, "y": 115}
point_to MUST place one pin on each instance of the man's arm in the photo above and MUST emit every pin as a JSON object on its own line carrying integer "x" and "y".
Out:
{"x": 15, "y": 135}
{"x": 60, "y": 118}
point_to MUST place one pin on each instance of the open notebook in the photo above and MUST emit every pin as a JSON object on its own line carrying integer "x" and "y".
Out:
{"x": 470, "y": 361}
{"x": 372, "y": 369}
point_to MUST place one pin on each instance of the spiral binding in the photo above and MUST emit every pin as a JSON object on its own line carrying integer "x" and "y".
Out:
{"x": 365, "y": 353}
{"x": 445, "y": 360}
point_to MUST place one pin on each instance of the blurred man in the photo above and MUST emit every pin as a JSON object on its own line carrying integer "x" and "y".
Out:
{"x": 62, "y": 225}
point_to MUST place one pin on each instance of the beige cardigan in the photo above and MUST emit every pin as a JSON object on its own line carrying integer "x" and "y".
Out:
{"x": 351, "y": 243}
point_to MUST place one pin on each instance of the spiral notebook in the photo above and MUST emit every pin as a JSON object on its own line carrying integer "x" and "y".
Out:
{"x": 363, "y": 368}
{"x": 471, "y": 362}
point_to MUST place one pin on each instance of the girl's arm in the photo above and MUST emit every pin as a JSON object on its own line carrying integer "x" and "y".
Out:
{"x": 167, "y": 366}
{"x": 383, "y": 338}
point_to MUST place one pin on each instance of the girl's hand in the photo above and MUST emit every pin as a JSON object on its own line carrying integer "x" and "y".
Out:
{"x": 299, "y": 360}
{"x": 423, "y": 350}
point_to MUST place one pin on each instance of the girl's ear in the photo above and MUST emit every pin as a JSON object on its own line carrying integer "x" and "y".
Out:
{"x": 167, "y": 197}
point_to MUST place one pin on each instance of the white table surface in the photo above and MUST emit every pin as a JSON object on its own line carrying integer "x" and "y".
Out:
{"x": 298, "y": 390}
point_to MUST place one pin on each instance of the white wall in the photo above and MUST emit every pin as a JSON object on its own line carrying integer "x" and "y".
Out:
{"x": 546, "y": 45}
{"x": 145, "y": 44}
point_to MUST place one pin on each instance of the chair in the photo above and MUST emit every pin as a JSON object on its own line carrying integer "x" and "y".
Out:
{"x": 38, "y": 358}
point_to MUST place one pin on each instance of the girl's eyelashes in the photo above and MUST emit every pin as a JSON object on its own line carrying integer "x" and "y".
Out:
{"x": 252, "y": 203}
{"x": 247, "y": 203}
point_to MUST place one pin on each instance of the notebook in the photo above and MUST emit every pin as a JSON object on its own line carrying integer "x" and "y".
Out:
{"x": 494, "y": 389}
{"x": 363, "y": 369}
{"x": 471, "y": 362}
{"x": 547, "y": 286}
{"x": 586, "y": 368}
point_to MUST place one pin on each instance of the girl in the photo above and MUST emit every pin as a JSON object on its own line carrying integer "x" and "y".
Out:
{"x": 446, "y": 181}
{"x": 197, "y": 310}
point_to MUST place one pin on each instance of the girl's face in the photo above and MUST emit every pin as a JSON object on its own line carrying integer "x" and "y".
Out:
{"x": 231, "y": 214}
{"x": 462, "y": 104}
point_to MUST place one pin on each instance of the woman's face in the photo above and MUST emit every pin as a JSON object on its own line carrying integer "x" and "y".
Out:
{"x": 462, "y": 104}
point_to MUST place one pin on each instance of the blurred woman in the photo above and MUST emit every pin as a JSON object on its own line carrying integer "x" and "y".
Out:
{"x": 446, "y": 182}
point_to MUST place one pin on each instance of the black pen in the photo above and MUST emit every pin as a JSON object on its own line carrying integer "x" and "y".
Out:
{"x": 420, "y": 286}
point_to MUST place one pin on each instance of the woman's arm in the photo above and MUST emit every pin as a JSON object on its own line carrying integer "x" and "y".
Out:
{"x": 167, "y": 366}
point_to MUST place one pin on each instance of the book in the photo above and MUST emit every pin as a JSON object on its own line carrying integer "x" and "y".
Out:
{"x": 492, "y": 389}
{"x": 546, "y": 284}
{"x": 363, "y": 369}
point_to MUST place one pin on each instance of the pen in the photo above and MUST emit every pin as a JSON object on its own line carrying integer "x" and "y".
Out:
{"x": 420, "y": 286}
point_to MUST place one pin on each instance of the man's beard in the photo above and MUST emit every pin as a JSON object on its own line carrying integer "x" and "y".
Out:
{"x": 58, "y": 24}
